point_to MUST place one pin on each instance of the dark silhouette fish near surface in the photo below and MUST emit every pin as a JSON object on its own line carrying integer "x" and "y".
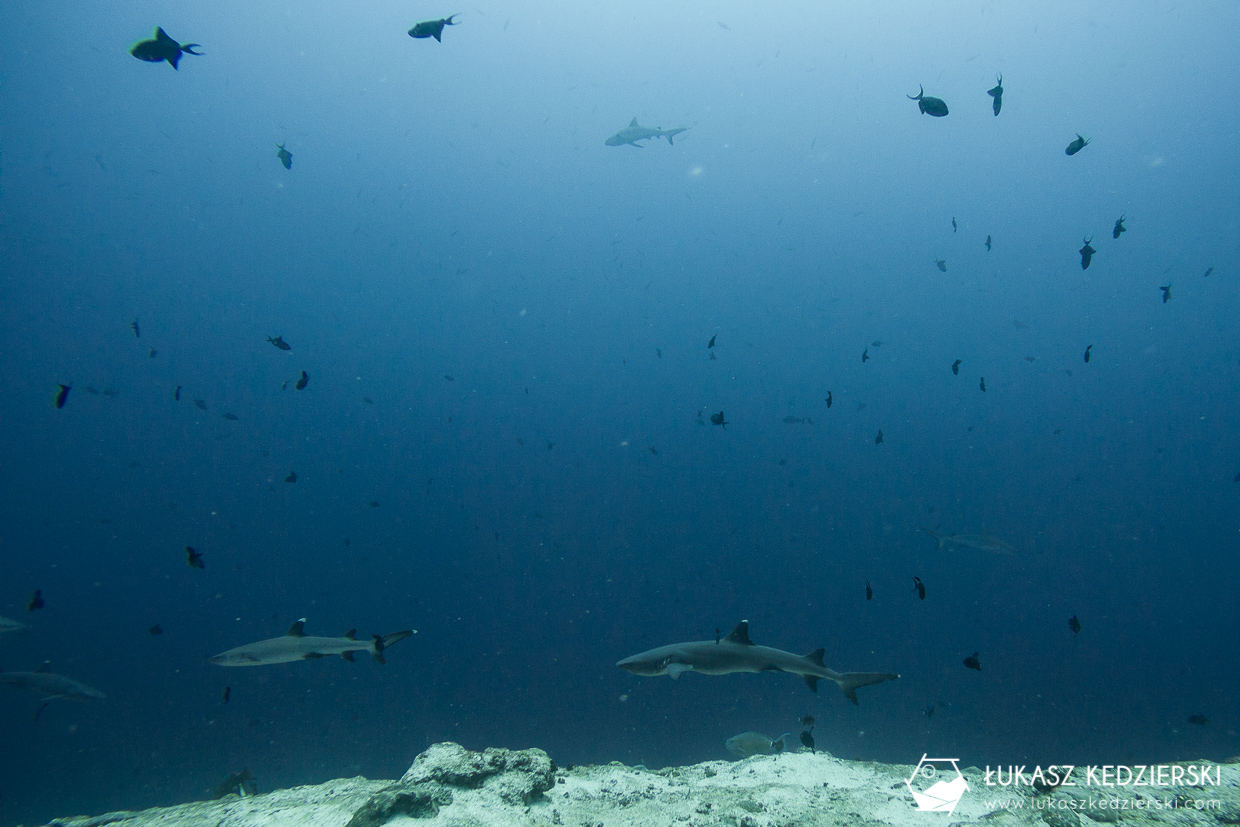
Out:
{"x": 432, "y": 28}
{"x": 934, "y": 107}
{"x": 161, "y": 47}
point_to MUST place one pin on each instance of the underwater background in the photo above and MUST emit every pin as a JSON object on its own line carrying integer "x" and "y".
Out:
{"x": 505, "y": 438}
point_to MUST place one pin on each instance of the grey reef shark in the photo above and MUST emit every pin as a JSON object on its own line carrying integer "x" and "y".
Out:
{"x": 737, "y": 653}
{"x": 50, "y": 685}
{"x": 981, "y": 542}
{"x": 634, "y": 132}
{"x": 296, "y": 645}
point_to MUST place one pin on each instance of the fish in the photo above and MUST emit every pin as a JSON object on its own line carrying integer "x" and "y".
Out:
{"x": 972, "y": 662}
{"x": 737, "y": 653}
{"x": 717, "y": 419}
{"x": 62, "y": 395}
{"x": 1208, "y": 272}
{"x": 155, "y": 630}
{"x": 749, "y": 744}
{"x": 152, "y": 352}
{"x": 658, "y": 351}
{"x": 806, "y": 720}
{"x": 36, "y": 601}
{"x": 1166, "y": 291}
{"x": 373, "y": 503}
{"x": 292, "y": 477}
{"x": 808, "y": 740}
{"x": 1199, "y": 720}
{"x": 193, "y": 558}
{"x": 869, "y": 592}
{"x": 654, "y": 450}
{"x": 956, "y": 367}
{"x": 161, "y": 47}
{"x": 1077, "y": 145}
{"x": 433, "y": 28}
{"x": 983, "y": 384}
{"x": 941, "y": 263}
{"x": 449, "y": 377}
{"x": 285, "y": 156}
{"x": 953, "y": 223}
{"x": 240, "y": 784}
{"x": 878, "y": 440}
{"x": 176, "y": 394}
{"x": 231, "y": 417}
{"x": 137, "y": 332}
{"x": 865, "y": 355}
{"x": 1087, "y": 350}
{"x": 296, "y": 645}
{"x": 200, "y": 405}
{"x": 634, "y": 132}
{"x": 50, "y": 685}
{"x": 988, "y": 244}
{"x": 997, "y": 94}
{"x": 7, "y": 625}
{"x": 928, "y": 711}
{"x": 981, "y": 542}
{"x": 792, "y": 420}
{"x": 920, "y": 588}
{"x": 303, "y": 381}
{"x": 876, "y": 343}
{"x": 934, "y": 107}
{"x": 829, "y": 399}
{"x": 280, "y": 343}
{"x": 711, "y": 343}
{"x": 226, "y": 695}
{"x": 368, "y": 400}
{"x": 1087, "y": 254}
{"x": 1074, "y": 625}
{"x": 1031, "y": 358}
{"x": 1119, "y": 227}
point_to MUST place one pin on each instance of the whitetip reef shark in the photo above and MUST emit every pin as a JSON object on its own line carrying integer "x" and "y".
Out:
{"x": 50, "y": 685}
{"x": 296, "y": 645}
{"x": 737, "y": 653}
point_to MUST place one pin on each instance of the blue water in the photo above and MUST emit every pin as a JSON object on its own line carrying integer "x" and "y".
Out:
{"x": 452, "y": 211}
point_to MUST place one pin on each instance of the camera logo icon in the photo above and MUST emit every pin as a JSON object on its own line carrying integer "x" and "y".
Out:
{"x": 937, "y": 784}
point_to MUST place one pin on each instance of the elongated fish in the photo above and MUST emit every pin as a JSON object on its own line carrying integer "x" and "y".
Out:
{"x": 981, "y": 542}
{"x": 7, "y": 625}
{"x": 297, "y": 645}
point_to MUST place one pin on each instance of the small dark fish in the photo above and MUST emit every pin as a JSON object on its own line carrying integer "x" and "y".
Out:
{"x": 1087, "y": 254}
{"x": 176, "y": 394}
{"x": 193, "y": 558}
{"x": 285, "y": 156}
{"x": 658, "y": 352}
{"x": 876, "y": 343}
{"x": 1077, "y": 145}
{"x": 1087, "y": 350}
{"x": 1208, "y": 272}
{"x": 280, "y": 343}
{"x": 997, "y": 94}
{"x": 161, "y": 47}
{"x": 227, "y": 694}
{"x": 941, "y": 263}
{"x": 807, "y": 720}
{"x": 200, "y": 405}
{"x": 373, "y": 503}
{"x": 303, "y": 381}
{"x": 929, "y": 711}
{"x": 240, "y": 784}
{"x": 550, "y": 445}
{"x": 1074, "y": 624}
{"x": 35, "y": 602}
{"x": 1199, "y": 720}
{"x": 712, "y": 355}
{"x": 449, "y": 377}
{"x": 878, "y": 440}
{"x": 953, "y": 223}
{"x": 1119, "y": 227}
{"x": 988, "y": 244}
{"x": 432, "y": 28}
{"x": 956, "y": 367}
{"x": 869, "y": 592}
{"x": 920, "y": 588}
{"x": 292, "y": 477}
{"x": 654, "y": 450}
{"x": 62, "y": 395}
{"x": 231, "y": 417}
{"x": 1031, "y": 358}
{"x": 1166, "y": 290}
{"x": 717, "y": 419}
{"x": 108, "y": 392}
{"x": 155, "y": 630}
{"x": 934, "y": 107}
{"x": 829, "y": 399}
{"x": 137, "y": 333}
{"x": 982, "y": 384}
{"x": 368, "y": 400}
{"x": 865, "y": 355}
{"x": 711, "y": 343}
{"x": 808, "y": 740}
{"x": 972, "y": 662}
{"x": 152, "y": 352}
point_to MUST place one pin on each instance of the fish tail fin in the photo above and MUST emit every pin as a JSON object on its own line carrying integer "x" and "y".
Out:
{"x": 674, "y": 132}
{"x": 850, "y": 682}
{"x": 189, "y": 48}
{"x": 382, "y": 643}
{"x": 938, "y": 538}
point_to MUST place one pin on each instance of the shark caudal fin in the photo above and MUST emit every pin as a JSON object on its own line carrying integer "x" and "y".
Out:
{"x": 938, "y": 538}
{"x": 382, "y": 643}
{"x": 672, "y": 133}
{"x": 850, "y": 682}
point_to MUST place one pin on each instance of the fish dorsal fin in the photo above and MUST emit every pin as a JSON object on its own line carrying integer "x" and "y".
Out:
{"x": 160, "y": 34}
{"x": 740, "y": 634}
{"x": 45, "y": 666}
{"x": 634, "y": 123}
{"x": 351, "y": 634}
{"x": 815, "y": 657}
{"x": 298, "y": 629}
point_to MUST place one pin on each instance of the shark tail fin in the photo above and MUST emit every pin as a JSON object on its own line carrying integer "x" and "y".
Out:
{"x": 671, "y": 133}
{"x": 850, "y": 682}
{"x": 382, "y": 643}
{"x": 938, "y": 538}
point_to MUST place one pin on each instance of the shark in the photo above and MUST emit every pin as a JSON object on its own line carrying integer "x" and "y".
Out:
{"x": 635, "y": 132}
{"x": 7, "y": 625}
{"x": 981, "y": 542}
{"x": 296, "y": 645}
{"x": 737, "y": 653}
{"x": 50, "y": 685}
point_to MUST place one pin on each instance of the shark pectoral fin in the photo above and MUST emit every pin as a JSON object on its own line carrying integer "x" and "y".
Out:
{"x": 850, "y": 682}
{"x": 347, "y": 654}
{"x": 812, "y": 682}
{"x": 675, "y": 670}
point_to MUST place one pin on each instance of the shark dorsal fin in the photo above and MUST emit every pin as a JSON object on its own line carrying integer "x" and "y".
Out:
{"x": 740, "y": 634}
{"x": 45, "y": 666}
{"x": 298, "y": 629}
{"x": 816, "y": 657}
{"x": 351, "y": 634}
{"x": 634, "y": 123}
